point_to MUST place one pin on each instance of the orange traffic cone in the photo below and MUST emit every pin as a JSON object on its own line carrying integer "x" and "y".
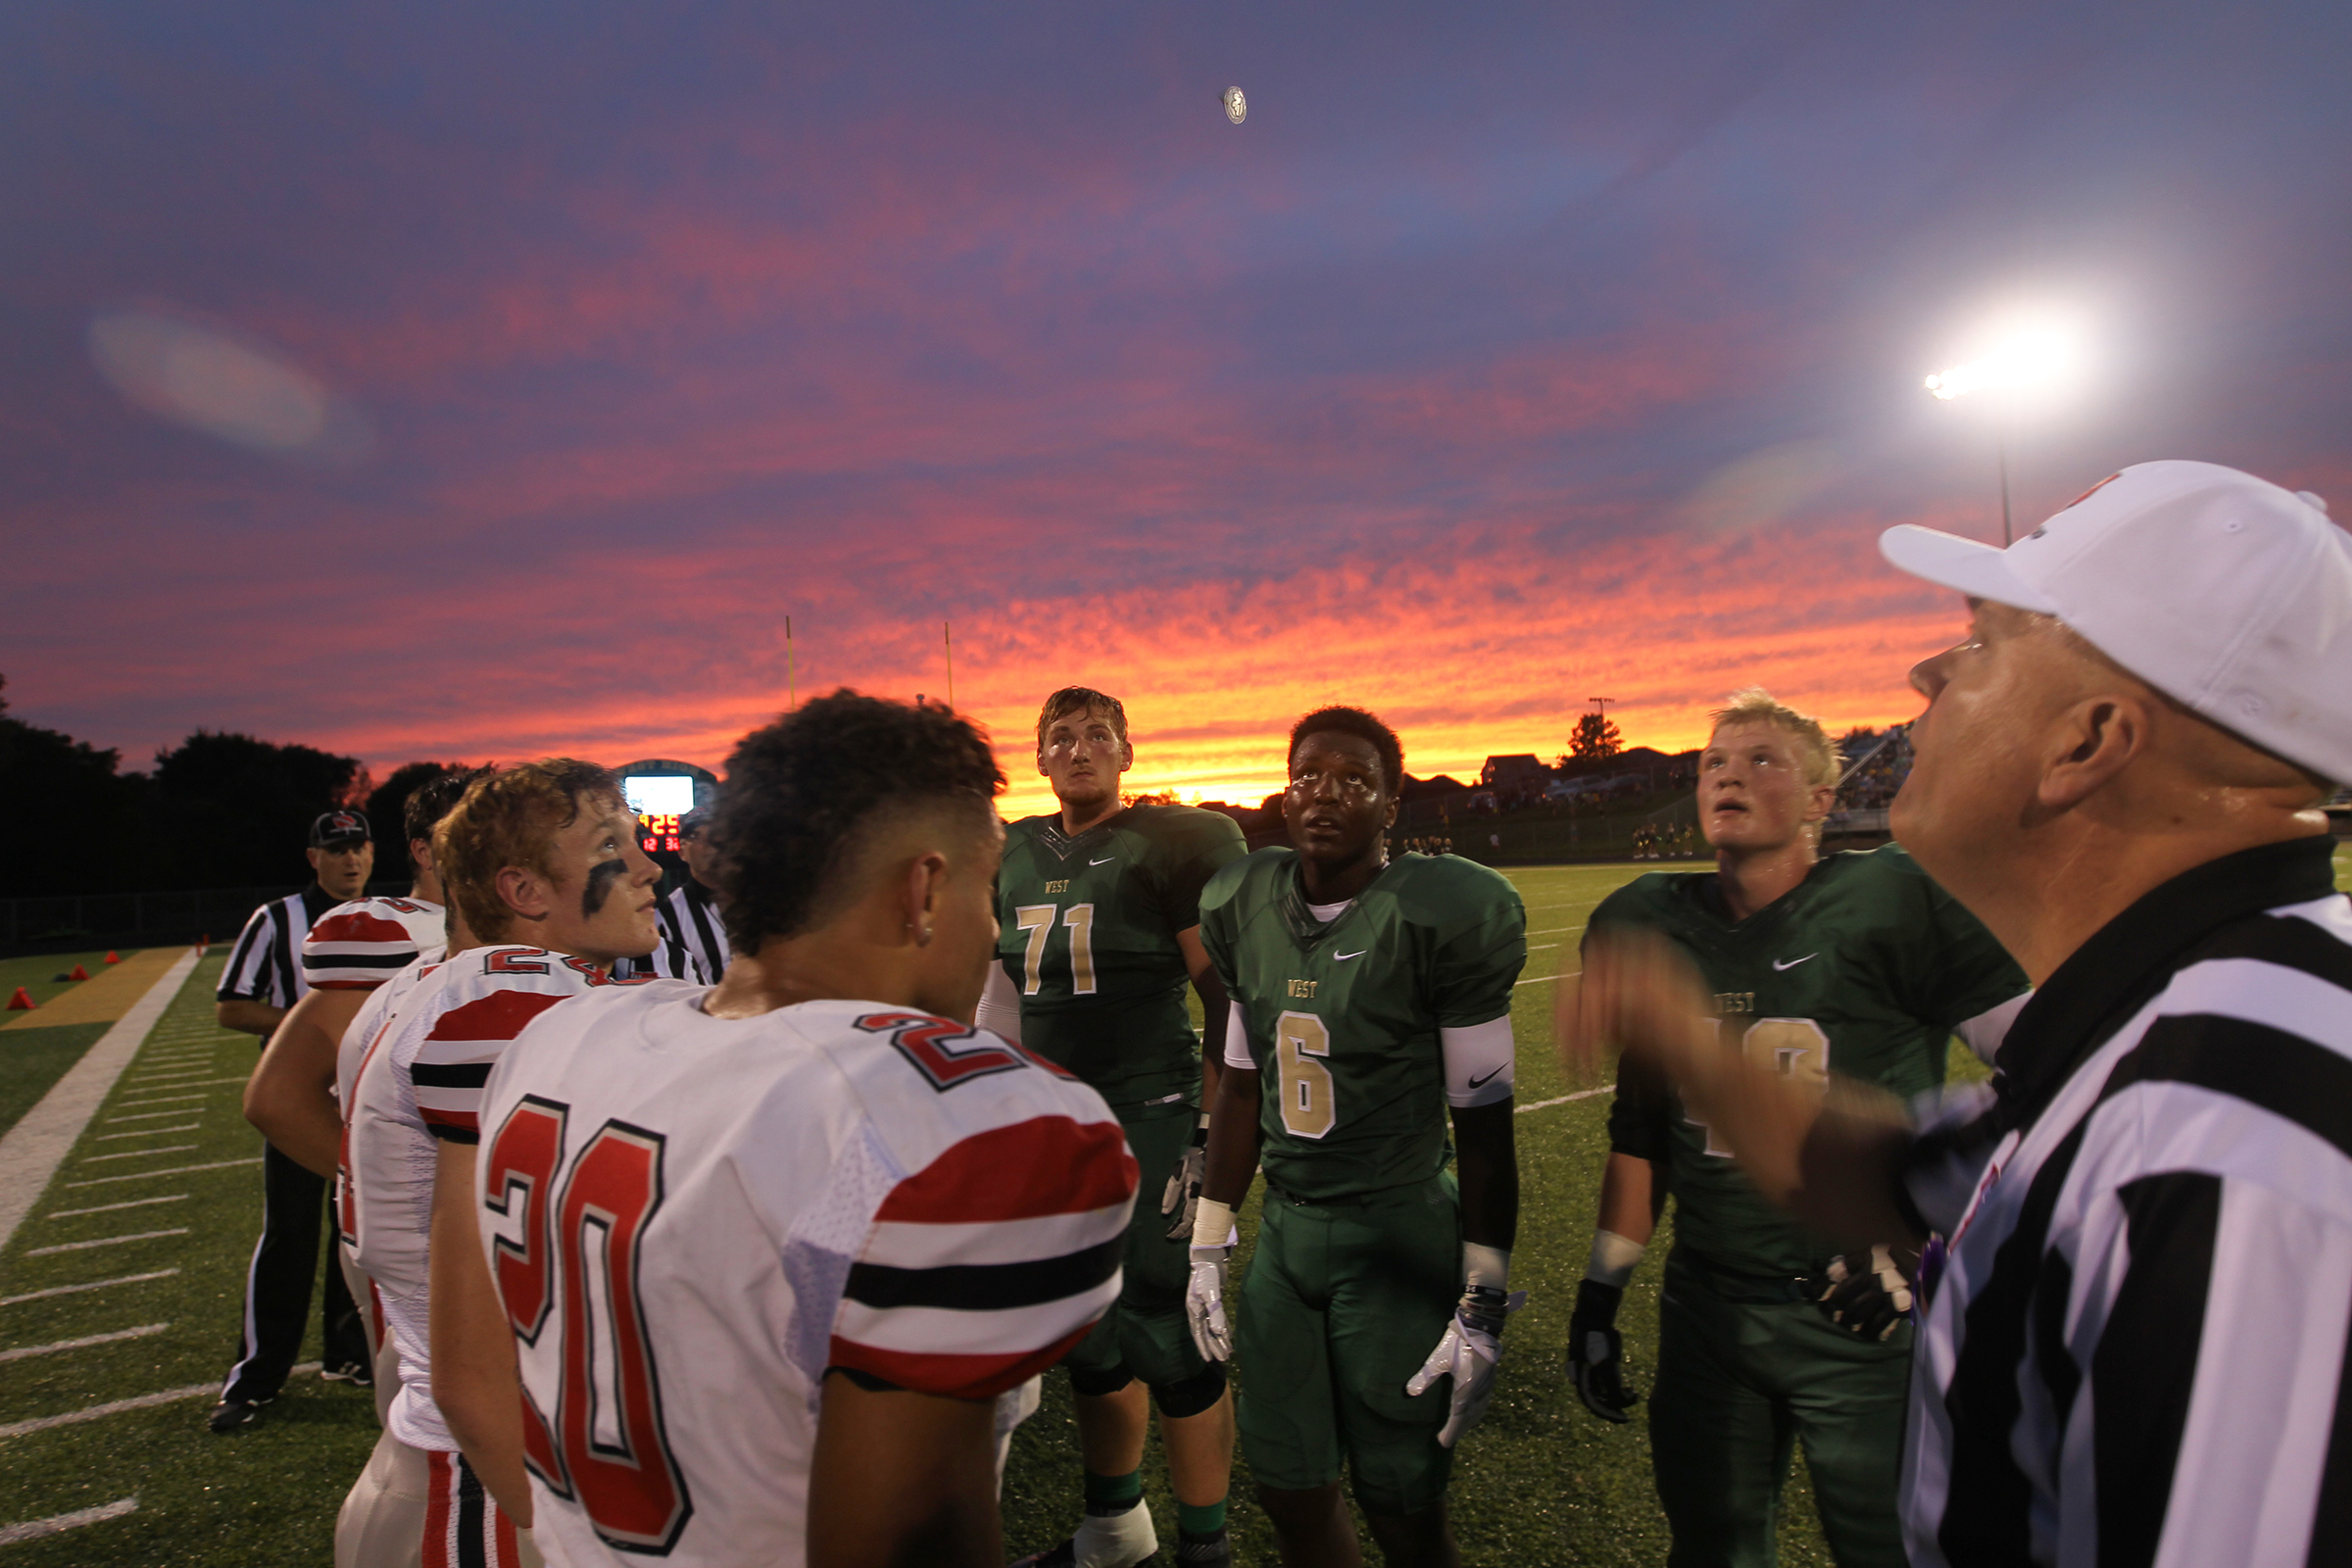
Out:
{"x": 112, "y": 957}
{"x": 20, "y": 1002}
{"x": 79, "y": 973}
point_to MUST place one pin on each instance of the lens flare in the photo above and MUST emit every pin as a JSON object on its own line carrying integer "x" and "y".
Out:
{"x": 224, "y": 383}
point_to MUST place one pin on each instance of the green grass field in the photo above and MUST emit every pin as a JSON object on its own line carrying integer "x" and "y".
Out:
{"x": 164, "y": 1185}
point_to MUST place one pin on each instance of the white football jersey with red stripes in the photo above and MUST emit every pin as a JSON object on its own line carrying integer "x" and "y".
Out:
{"x": 360, "y": 945}
{"x": 421, "y": 1080}
{"x": 691, "y": 1218}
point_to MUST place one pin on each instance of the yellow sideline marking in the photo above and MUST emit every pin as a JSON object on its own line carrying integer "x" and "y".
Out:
{"x": 105, "y": 996}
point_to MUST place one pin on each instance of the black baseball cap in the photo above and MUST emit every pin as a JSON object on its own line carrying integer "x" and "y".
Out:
{"x": 338, "y": 827}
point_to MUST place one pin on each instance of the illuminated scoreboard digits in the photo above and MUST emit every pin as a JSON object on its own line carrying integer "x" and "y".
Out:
{"x": 659, "y": 799}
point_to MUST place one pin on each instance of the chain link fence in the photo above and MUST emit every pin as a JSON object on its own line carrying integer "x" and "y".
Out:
{"x": 141, "y": 919}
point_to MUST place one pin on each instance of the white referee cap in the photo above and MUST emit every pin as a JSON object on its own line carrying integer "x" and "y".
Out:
{"x": 2221, "y": 590}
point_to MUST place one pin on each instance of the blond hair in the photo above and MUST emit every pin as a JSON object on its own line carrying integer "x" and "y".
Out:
{"x": 1753, "y": 704}
{"x": 510, "y": 818}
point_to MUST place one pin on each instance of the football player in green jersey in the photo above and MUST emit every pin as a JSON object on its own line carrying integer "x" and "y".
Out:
{"x": 1099, "y": 916}
{"x": 1369, "y": 995}
{"x": 1855, "y": 963}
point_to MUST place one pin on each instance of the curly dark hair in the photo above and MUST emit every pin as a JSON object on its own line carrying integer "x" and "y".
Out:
{"x": 434, "y": 798}
{"x": 800, "y": 791}
{"x": 1362, "y": 725}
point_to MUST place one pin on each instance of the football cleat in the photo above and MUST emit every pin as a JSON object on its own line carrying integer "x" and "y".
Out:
{"x": 234, "y": 1415}
{"x": 1122, "y": 1540}
{"x": 357, "y": 1373}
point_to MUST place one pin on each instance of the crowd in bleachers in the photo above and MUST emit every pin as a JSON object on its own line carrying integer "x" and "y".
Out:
{"x": 1877, "y": 761}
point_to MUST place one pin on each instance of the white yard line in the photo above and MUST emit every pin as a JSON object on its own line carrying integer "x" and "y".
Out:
{"x": 149, "y": 1115}
{"x": 58, "y": 1524}
{"x": 148, "y": 1131}
{"x": 84, "y": 1343}
{"x": 1581, "y": 1094}
{"x": 168, "y": 1170}
{"x": 243, "y": 1077}
{"x": 1557, "y": 930}
{"x": 103, "y": 1240}
{"x": 31, "y": 1151}
{"x": 143, "y": 1401}
{"x": 94, "y": 1285}
{"x": 138, "y": 1154}
{"x": 167, "y": 1099}
{"x": 1545, "y": 979}
{"x": 108, "y": 1208}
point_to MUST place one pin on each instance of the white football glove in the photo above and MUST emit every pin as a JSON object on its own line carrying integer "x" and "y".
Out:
{"x": 1469, "y": 1352}
{"x": 1205, "y": 1303}
{"x": 1180, "y": 1200}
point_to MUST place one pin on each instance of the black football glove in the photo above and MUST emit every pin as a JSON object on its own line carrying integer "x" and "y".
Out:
{"x": 1869, "y": 1292}
{"x": 1180, "y": 1200}
{"x": 1596, "y": 1353}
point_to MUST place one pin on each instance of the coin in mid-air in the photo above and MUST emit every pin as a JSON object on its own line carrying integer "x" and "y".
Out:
{"x": 1237, "y": 107}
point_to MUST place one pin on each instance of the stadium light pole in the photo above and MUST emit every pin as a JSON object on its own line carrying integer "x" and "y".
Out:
{"x": 2026, "y": 359}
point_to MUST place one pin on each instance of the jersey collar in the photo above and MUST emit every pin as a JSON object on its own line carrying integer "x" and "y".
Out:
{"x": 1051, "y": 835}
{"x": 2130, "y": 958}
{"x": 1300, "y": 920}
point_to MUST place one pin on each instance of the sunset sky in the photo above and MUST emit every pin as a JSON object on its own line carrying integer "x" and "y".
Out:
{"x": 459, "y": 381}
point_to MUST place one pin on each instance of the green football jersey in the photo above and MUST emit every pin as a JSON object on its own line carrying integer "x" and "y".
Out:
{"x": 1088, "y": 931}
{"x": 1343, "y": 1019}
{"x": 1863, "y": 970}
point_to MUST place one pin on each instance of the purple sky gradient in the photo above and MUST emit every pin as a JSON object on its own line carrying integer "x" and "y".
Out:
{"x": 1494, "y": 357}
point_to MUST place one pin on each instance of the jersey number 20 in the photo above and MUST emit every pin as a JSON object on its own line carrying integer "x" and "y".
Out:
{"x": 1038, "y": 920}
{"x": 578, "y": 1255}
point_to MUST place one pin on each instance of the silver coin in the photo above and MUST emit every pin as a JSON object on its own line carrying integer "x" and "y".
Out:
{"x": 1237, "y": 107}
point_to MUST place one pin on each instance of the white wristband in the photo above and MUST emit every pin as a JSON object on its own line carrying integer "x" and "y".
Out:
{"x": 1485, "y": 1265}
{"x": 1212, "y": 1223}
{"x": 1613, "y": 1259}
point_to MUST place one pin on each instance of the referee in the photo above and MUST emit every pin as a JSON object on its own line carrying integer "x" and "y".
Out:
{"x": 2137, "y": 1305}
{"x": 260, "y": 983}
{"x": 689, "y": 915}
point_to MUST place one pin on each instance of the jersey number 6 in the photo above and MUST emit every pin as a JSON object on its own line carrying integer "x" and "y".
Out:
{"x": 1301, "y": 1044}
{"x": 578, "y": 1255}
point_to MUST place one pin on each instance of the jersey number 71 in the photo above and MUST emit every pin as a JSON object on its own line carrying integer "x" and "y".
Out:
{"x": 577, "y": 1253}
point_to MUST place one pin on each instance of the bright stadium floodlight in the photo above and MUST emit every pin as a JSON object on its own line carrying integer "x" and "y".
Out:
{"x": 2028, "y": 357}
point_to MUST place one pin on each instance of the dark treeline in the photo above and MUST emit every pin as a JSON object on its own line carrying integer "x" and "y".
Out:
{"x": 217, "y": 810}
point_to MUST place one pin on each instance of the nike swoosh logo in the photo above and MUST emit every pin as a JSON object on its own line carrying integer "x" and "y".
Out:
{"x": 1342, "y": 958}
{"x": 1106, "y": 860}
{"x": 1791, "y": 963}
{"x": 1475, "y": 1082}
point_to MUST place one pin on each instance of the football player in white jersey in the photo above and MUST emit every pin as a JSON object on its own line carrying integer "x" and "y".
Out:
{"x": 773, "y": 1250}
{"x": 541, "y": 863}
{"x": 350, "y": 951}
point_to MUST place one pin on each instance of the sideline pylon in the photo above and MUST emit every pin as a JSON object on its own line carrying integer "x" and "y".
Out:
{"x": 113, "y": 957}
{"x": 20, "y": 1002}
{"x": 79, "y": 973}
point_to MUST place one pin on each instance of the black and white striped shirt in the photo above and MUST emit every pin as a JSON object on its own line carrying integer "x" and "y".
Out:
{"x": 2135, "y": 1350}
{"x": 689, "y": 916}
{"x": 265, "y": 965}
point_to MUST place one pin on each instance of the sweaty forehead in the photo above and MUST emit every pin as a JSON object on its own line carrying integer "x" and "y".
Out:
{"x": 1326, "y": 747}
{"x": 1748, "y": 734}
{"x": 1078, "y": 719}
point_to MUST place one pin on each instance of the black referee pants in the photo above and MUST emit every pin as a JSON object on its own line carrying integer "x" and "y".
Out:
{"x": 278, "y": 1287}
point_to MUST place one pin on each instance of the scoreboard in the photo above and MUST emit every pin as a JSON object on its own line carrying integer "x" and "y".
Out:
{"x": 659, "y": 799}
{"x": 660, "y": 791}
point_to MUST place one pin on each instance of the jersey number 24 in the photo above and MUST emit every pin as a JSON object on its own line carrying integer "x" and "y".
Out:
{"x": 578, "y": 1256}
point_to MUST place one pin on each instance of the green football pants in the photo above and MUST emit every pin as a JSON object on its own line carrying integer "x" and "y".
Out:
{"x": 1344, "y": 1302}
{"x": 1739, "y": 1383}
{"x": 1144, "y": 1329}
